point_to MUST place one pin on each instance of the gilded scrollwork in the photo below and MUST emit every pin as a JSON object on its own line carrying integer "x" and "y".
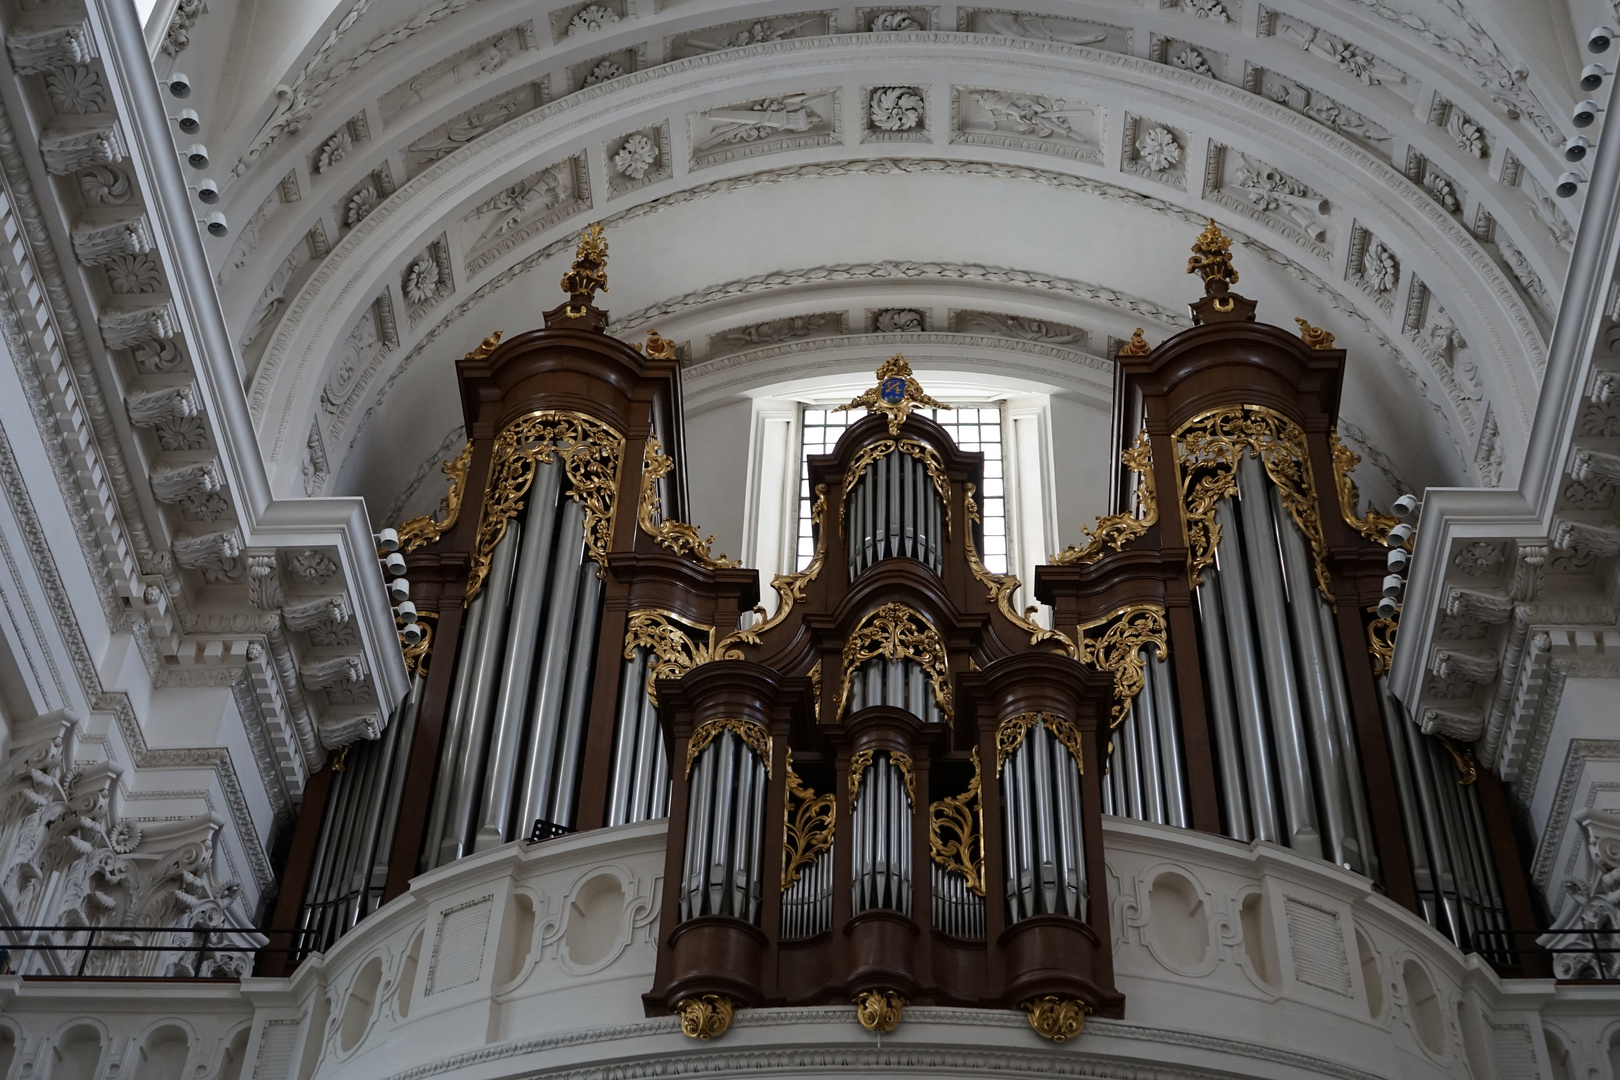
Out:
{"x": 706, "y": 1017}
{"x": 677, "y": 652}
{"x": 1114, "y": 644}
{"x": 753, "y": 736}
{"x": 879, "y": 1010}
{"x": 894, "y": 395}
{"x": 790, "y": 587}
{"x": 1467, "y": 767}
{"x": 677, "y": 536}
{"x": 588, "y": 274}
{"x": 1002, "y": 587}
{"x": 1011, "y": 731}
{"x": 1373, "y": 525}
{"x": 1381, "y": 642}
{"x": 861, "y": 760}
{"x": 956, "y": 832}
{"x": 426, "y": 529}
{"x": 1207, "y": 451}
{"x": 1117, "y": 530}
{"x": 1056, "y": 1018}
{"x": 809, "y": 822}
{"x": 416, "y": 656}
{"x": 894, "y": 632}
{"x": 875, "y": 452}
{"x": 591, "y": 453}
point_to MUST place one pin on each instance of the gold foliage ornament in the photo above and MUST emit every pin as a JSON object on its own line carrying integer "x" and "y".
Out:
{"x": 894, "y": 632}
{"x": 752, "y": 735}
{"x": 808, "y": 824}
{"x": 1212, "y": 256}
{"x": 790, "y": 587}
{"x": 1207, "y": 451}
{"x": 1116, "y": 530}
{"x": 1467, "y": 767}
{"x": 1002, "y": 586}
{"x": 1114, "y": 644}
{"x": 591, "y": 453}
{"x": 588, "y": 275}
{"x": 416, "y": 656}
{"x": 706, "y": 1017}
{"x": 1056, "y": 1018}
{"x": 956, "y": 832}
{"x": 1314, "y": 336}
{"x": 677, "y": 536}
{"x": 894, "y": 395}
{"x": 419, "y": 531}
{"x": 877, "y": 451}
{"x": 1373, "y": 525}
{"x": 485, "y": 347}
{"x": 861, "y": 760}
{"x": 1381, "y": 642}
{"x": 1011, "y": 731}
{"x": 879, "y": 1010}
{"x": 660, "y": 633}
{"x": 657, "y": 348}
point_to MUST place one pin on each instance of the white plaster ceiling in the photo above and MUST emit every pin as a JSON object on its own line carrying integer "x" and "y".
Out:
{"x": 1077, "y": 236}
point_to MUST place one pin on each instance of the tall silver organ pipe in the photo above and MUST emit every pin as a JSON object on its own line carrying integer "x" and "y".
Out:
{"x": 1044, "y": 850}
{"x": 1452, "y": 862}
{"x": 516, "y": 720}
{"x": 880, "y": 836}
{"x": 357, "y": 830}
{"x": 893, "y": 511}
{"x": 1147, "y": 777}
{"x": 958, "y": 910}
{"x": 638, "y": 783}
{"x": 807, "y": 903}
{"x": 1286, "y": 757}
{"x": 724, "y": 817}
{"x": 902, "y": 683}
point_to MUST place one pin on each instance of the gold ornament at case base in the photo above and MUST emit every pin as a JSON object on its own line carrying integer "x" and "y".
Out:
{"x": 879, "y": 1010}
{"x": 705, "y": 1017}
{"x": 1055, "y": 1018}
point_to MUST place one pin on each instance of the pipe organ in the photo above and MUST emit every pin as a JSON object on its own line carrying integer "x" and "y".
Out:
{"x": 890, "y": 789}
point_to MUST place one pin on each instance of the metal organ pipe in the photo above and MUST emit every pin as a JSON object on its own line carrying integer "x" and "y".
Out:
{"x": 546, "y": 712}
{"x": 1045, "y": 848}
{"x": 893, "y": 511}
{"x": 455, "y": 735}
{"x": 581, "y": 668}
{"x": 1171, "y": 768}
{"x": 528, "y": 596}
{"x": 721, "y": 873}
{"x": 1223, "y": 713}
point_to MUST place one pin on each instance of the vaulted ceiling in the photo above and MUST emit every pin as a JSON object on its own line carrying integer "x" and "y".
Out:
{"x": 791, "y": 190}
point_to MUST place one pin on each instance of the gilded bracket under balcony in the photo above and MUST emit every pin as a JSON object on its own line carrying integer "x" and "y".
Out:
{"x": 1373, "y": 525}
{"x": 1011, "y": 731}
{"x": 879, "y": 1010}
{"x": 808, "y": 824}
{"x": 677, "y": 536}
{"x": 956, "y": 832}
{"x": 895, "y": 631}
{"x": 1207, "y": 451}
{"x": 1114, "y": 644}
{"x": 592, "y": 454}
{"x": 1056, "y": 1018}
{"x": 427, "y": 529}
{"x": 1002, "y": 587}
{"x": 875, "y": 452}
{"x": 706, "y": 1017}
{"x": 753, "y": 736}
{"x": 1117, "y": 530}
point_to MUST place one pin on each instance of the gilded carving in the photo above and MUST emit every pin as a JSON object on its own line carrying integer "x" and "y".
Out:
{"x": 1381, "y": 643}
{"x": 420, "y": 531}
{"x": 1057, "y": 1018}
{"x": 808, "y": 824}
{"x": 1373, "y": 525}
{"x": 861, "y": 760}
{"x": 588, "y": 275}
{"x": 895, "y": 631}
{"x": 416, "y": 656}
{"x": 894, "y": 395}
{"x": 676, "y": 651}
{"x": 1002, "y": 586}
{"x": 706, "y": 1017}
{"x": 1207, "y": 450}
{"x": 592, "y": 454}
{"x": 1314, "y": 336}
{"x": 1011, "y": 731}
{"x": 875, "y": 452}
{"x": 1212, "y": 256}
{"x": 1114, "y": 644}
{"x": 1117, "y": 530}
{"x": 879, "y": 1010}
{"x": 1137, "y": 346}
{"x": 956, "y": 832}
{"x": 1467, "y": 767}
{"x": 790, "y": 587}
{"x": 755, "y": 737}
{"x": 677, "y": 536}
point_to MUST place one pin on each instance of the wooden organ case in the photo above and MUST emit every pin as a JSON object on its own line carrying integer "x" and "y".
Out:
{"x": 889, "y": 786}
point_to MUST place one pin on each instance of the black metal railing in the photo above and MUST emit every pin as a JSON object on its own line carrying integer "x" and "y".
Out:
{"x": 206, "y": 955}
{"x": 1575, "y": 956}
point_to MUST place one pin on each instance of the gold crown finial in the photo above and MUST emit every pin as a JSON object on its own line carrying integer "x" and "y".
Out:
{"x": 1137, "y": 346}
{"x": 588, "y": 275}
{"x": 485, "y": 347}
{"x": 1212, "y": 258}
{"x": 1314, "y": 336}
{"x": 895, "y": 394}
